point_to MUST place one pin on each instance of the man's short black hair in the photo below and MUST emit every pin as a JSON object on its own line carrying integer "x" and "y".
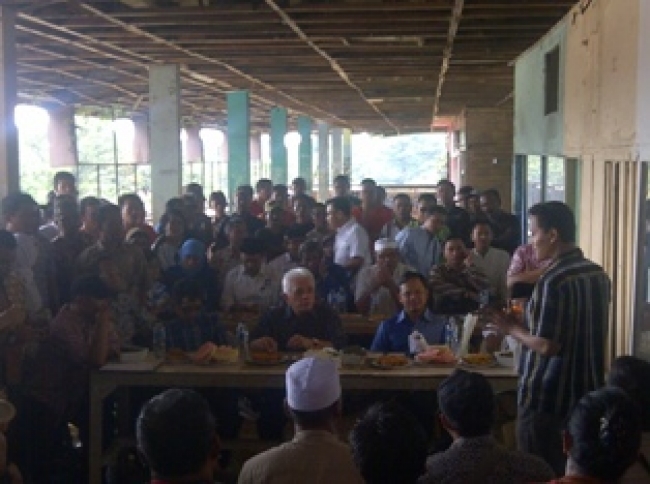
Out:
{"x": 247, "y": 189}
{"x": 175, "y": 433}
{"x": 437, "y": 210}
{"x": 88, "y": 202}
{"x": 632, "y": 375}
{"x": 129, "y": 197}
{"x": 261, "y": 183}
{"x": 13, "y": 202}
{"x": 340, "y": 204}
{"x": 219, "y": 198}
{"x": 389, "y": 445}
{"x": 427, "y": 198}
{"x": 466, "y": 400}
{"x": 369, "y": 181}
{"x": 410, "y": 275}
{"x": 466, "y": 191}
{"x": 555, "y": 215}
{"x": 482, "y": 221}
{"x": 280, "y": 187}
{"x": 187, "y": 289}
{"x": 342, "y": 178}
{"x": 402, "y": 196}
{"x": 491, "y": 192}
{"x": 7, "y": 240}
{"x": 299, "y": 180}
{"x": 316, "y": 418}
{"x": 105, "y": 212}
{"x": 253, "y": 246}
{"x": 60, "y": 176}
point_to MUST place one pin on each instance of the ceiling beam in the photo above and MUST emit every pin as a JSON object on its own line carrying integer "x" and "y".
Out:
{"x": 454, "y": 22}
{"x": 257, "y": 82}
{"x": 336, "y": 67}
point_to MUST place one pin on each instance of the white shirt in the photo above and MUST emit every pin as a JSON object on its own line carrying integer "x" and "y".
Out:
{"x": 382, "y": 302}
{"x": 240, "y": 288}
{"x": 351, "y": 241}
{"x": 495, "y": 266}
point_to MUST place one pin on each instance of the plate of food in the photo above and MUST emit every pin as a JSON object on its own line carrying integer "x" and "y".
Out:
{"x": 436, "y": 355}
{"x": 176, "y": 356}
{"x": 479, "y": 360}
{"x": 266, "y": 358}
{"x": 390, "y": 361}
{"x": 209, "y": 353}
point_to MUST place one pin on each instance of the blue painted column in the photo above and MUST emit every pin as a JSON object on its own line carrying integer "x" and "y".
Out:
{"x": 279, "y": 161}
{"x": 239, "y": 167}
{"x": 305, "y": 151}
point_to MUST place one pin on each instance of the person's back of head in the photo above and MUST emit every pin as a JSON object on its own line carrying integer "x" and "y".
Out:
{"x": 313, "y": 393}
{"x": 466, "y": 401}
{"x": 603, "y": 435}
{"x": 389, "y": 445}
{"x": 632, "y": 375}
{"x": 176, "y": 434}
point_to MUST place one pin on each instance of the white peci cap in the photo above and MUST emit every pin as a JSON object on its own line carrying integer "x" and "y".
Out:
{"x": 312, "y": 384}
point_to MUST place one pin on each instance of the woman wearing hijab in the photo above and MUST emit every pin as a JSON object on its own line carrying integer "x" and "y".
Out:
{"x": 193, "y": 265}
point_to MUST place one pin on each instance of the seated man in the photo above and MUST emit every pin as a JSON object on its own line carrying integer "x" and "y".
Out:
{"x": 315, "y": 455}
{"x": 455, "y": 285}
{"x": 384, "y": 428}
{"x": 192, "y": 326}
{"x": 492, "y": 262}
{"x": 293, "y": 239}
{"x": 466, "y": 404}
{"x": 251, "y": 286}
{"x": 377, "y": 291}
{"x": 420, "y": 247}
{"x": 392, "y": 334}
{"x": 178, "y": 453}
{"x": 300, "y": 324}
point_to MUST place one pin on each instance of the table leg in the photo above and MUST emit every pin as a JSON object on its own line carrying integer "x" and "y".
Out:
{"x": 98, "y": 392}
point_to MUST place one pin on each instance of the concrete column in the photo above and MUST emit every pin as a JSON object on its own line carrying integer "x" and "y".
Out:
{"x": 279, "y": 158}
{"x": 337, "y": 151}
{"x": 323, "y": 161}
{"x": 9, "y": 167}
{"x": 347, "y": 152}
{"x": 305, "y": 151}
{"x": 62, "y": 137}
{"x": 239, "y": 166}
{"x": 140, "y": 139}
{"x": 165, "y": 124}
{"x": 256, "y": 155}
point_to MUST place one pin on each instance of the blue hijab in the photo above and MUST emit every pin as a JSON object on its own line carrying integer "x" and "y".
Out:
{"x": 195, "y": 248}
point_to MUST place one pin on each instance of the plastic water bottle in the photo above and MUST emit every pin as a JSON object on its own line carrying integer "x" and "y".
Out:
{"x": 451, "y": 334}
{"x": 159, "y": 340}
{"x": 342, "y": 300}
{"x": 242, "y": 341}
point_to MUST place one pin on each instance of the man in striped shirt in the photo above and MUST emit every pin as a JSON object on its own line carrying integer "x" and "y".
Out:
{"x": 563, "y": 336}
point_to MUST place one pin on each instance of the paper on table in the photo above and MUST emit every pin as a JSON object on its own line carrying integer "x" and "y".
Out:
{"x": 468, "y": 329}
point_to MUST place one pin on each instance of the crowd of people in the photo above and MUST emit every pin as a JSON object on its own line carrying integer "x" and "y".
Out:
{"x": 81, "y": 279}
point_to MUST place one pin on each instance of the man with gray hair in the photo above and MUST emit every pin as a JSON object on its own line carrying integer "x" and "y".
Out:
{"x": 315, "y": 455}
{"x": 301, "y": 323}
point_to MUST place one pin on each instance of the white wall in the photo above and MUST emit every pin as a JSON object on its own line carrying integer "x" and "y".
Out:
{"x": 601, "y": 80}
{"x": 536, "y": 133}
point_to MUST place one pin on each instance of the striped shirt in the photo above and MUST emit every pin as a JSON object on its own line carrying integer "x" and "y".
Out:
{"x": 570, "y": 307}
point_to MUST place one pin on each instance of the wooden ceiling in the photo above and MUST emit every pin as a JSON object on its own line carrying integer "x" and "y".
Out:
{"x": 382, "y": 66}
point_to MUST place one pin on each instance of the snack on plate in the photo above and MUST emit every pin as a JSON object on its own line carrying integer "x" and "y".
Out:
{"x": 392, "y": 360}
{"x": 176, "y": 355}
{"x": 479, "y": 359}
{"x": 436, "y": 354}
{"x": 209, "y": 352}
{"x": 266, "y": 356}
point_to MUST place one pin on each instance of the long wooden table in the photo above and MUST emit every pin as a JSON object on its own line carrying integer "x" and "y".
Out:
{"x": 104, "y": 381}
